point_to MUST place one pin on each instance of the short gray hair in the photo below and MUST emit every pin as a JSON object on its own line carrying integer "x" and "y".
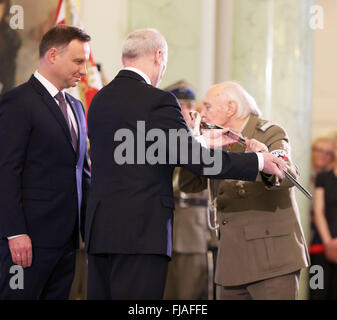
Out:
{"x": 245, "y": 102}
{"x": 143, "y": 42}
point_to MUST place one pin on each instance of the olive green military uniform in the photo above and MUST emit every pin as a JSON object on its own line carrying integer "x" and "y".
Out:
{"x": 187, "y": 271}
{"x": 79, "y": 286}
{"x": 260, "y": 232}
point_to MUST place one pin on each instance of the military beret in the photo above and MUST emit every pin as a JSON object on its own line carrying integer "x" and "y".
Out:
{"x": 182, "y": 91}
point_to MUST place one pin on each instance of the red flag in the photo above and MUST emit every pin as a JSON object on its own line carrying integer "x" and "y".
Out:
{"x": 92, "y": 82}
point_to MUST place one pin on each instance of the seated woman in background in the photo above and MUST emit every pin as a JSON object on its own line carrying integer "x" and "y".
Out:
{"x": 324, "y": 243}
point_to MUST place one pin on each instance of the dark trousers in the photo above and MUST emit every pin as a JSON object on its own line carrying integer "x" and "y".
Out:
{"x": 49, "y": 278}
{"x": 124, "y": 276}
{"x": 330, "y": 279}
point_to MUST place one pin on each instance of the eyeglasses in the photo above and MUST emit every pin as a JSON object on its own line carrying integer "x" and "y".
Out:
{"x": 324, "y": 152}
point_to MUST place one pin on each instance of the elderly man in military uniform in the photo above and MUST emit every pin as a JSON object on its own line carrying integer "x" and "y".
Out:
{"x": 187, "y": 272}
{"x": 262, "y": 247}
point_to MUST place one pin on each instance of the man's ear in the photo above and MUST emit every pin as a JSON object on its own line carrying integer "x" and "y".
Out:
{"x": 158, "y": 55}
{"x": 232, "y": 108}
{"x": 51, "y": 55}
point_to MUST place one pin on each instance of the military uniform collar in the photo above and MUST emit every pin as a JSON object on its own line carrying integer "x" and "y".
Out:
{"x": 247, "y": 131}
{"x": 250, "y": 126}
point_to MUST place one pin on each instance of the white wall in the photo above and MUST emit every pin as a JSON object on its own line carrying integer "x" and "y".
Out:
{"x": 325, "y": 71}
{"x": 106, "y": 22}
{"x": 108, "y": 35}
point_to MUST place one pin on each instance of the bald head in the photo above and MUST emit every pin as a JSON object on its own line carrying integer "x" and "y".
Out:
{"x": 228, "y": 104}
{"x": 143, "y": 43}
{"x": 231, "y": 91}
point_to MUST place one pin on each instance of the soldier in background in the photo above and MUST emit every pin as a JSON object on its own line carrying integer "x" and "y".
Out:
{"x": 188, "y": 271}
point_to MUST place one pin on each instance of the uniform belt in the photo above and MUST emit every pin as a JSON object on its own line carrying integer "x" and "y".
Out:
{"x": 191, "y": 202}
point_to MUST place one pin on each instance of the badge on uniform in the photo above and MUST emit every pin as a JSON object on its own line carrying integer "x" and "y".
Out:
{"x": 280, "y": 154}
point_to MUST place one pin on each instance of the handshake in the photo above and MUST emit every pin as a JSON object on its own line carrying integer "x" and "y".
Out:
{"x": 219, "y": 138}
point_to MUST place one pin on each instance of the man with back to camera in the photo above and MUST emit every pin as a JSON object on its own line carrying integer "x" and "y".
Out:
{"x": 129, "y": 215}
{"x": 44, "y": 170}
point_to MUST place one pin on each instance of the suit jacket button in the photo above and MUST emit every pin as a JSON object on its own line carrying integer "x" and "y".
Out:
{"x": 267, "y": 232}
{"x": 224, "y": 222}
{"x": 242, "y": 192}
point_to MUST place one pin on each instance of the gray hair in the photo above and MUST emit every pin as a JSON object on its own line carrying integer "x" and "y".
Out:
{"x": 143, "y": 42}
{"x": 245, "y": 102}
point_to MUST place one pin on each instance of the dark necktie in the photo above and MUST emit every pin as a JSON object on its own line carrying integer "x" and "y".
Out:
{"x": 63, "y": 106}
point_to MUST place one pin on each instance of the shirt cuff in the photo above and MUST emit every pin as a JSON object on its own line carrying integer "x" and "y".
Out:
{"x": 260, "y": 160}
{"x": 12, "y": 237}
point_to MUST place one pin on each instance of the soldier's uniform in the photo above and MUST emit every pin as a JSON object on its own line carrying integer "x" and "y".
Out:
{"x": 187, "y": 272}
{"x": 260, "y": 232}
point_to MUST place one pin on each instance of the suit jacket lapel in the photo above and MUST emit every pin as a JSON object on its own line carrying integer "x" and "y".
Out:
{"x": 52, "y": 106}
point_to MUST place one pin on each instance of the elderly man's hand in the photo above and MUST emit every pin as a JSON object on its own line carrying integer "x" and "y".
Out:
{"x": 216, "y": 138}
{"x": 254, "y": 145}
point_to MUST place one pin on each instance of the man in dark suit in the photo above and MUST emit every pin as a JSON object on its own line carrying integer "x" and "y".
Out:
{"x": 130, "y": 207}
{"x": 44, "y": 171}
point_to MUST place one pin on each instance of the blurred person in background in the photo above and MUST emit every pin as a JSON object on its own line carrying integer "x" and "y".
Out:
{"x": 322, "y": 155}
{"x": 323, "y": 249}
{"x": 187, "y": 271}
{"x": 321, "y": 160}
{"x": 9, "y": 45}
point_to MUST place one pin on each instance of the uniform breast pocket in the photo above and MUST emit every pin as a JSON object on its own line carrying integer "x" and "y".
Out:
{"x": 269, "y": 246}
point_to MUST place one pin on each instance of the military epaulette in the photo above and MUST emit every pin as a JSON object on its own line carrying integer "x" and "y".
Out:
{"x": 265, "y": 126}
